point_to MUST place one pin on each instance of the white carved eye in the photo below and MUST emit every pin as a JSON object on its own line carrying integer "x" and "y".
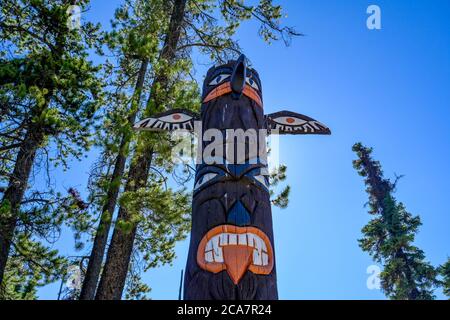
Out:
{"x": 252, "y": 83}
{"x": 290, "y": 121}
{"x": 220, "y": 78}
{"x": 204, "y": 179}
{"x": 262, "y": 179}
{"x": 175, "y": 118}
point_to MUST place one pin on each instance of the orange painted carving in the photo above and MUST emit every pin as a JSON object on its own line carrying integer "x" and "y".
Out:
{"x": 225, "y": 88}
{"x": 236, "y": 250}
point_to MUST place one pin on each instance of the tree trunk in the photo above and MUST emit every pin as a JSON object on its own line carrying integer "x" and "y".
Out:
{"x": 115, "y": 271}
{"x": 101, "y": 237}
{"x": 16, "y": 189}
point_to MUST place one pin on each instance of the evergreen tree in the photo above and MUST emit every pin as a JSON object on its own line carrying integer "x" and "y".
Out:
{"x": 115, "y": 271}
{"x": 192, "y": 24}
{"x": 49, "y": 93}
{"x": 389, "y": 236}
{"x": 134, "y": 44}
{"x": 30, "y": 265}
{"x": 444, "y": 270}
{"x": 281, "y": 199}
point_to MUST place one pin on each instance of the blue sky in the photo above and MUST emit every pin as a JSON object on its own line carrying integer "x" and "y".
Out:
{"x": 387, "y": 88}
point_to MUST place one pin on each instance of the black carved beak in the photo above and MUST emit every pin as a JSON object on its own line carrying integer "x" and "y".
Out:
{"x": 238, "y": 77}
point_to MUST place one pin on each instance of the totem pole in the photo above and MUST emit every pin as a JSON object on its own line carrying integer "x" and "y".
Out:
{"x": 231, "y": 253}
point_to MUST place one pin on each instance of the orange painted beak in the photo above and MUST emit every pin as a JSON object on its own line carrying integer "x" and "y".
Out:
{"x": 252, "y": 94}
{"x": 225, "y": 88}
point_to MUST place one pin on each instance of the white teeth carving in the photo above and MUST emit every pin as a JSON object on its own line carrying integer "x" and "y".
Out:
{"x": 257, "y": 257}
{"x": 223, "y": 239}
{"x": 232, "y": 239}
{"x": 208, "y": 246}
{"x": 209, "y": 256}
{"x": 243, "y": 239}
{"x": 214, "y": 253}
{"x": 218, "y": 257}
{"x": 251, "y": 240}
{"x": 265, "y": 259}
{"x": 215, "y": 243}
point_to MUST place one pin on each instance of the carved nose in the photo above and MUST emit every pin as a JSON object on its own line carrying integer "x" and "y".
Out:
{"x": 238, "y": 215}
{"x": 238, "y": 77}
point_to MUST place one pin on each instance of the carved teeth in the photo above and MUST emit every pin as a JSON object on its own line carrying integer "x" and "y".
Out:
{"x": 214, "y": 253}
{"x": 265, "y": 259}
{"x": 209, "y": 256}
{"x": 257, "y": 257}
{"x": 232, "y": 239}
{"x": 243, "y": 239}
{"x": 209, "y": 246}
{"x": 217, "y": 249}
{"x": 223, "y": 239}
{"x": 218, "y": 257}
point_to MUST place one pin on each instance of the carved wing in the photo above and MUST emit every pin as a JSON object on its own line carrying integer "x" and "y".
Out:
{"x": 176, "y": 119}
{"x": 287, "y": 122}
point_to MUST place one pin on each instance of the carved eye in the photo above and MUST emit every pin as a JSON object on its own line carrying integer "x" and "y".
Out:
{"x": 263, "y": 180}
{"x": 204, "y": 179}
{"x": 252, "y": 83}
{"x": 220, "y": 78}
{"x": 175, "y": 118}
{"x": 290, "y": 121}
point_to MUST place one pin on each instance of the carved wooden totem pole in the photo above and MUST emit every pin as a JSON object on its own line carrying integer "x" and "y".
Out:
{"x": 231, "y": 254}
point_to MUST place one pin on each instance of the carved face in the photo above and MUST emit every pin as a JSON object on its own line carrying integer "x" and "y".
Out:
{"x": 230, "y": 79}
{"x": 234, "y": 237}
{"x": 229, "y": 102}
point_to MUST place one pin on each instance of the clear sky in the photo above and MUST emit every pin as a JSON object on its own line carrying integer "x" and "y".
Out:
{"x": 389, "y": 89}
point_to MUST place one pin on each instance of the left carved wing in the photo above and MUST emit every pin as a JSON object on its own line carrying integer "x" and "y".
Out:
{"x": 176, "y": 119}
{"x": 287, "y": 122}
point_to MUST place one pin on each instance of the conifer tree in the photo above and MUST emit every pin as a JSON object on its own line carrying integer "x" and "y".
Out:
{"x": 192, "y": 24}
{"x": 134, "y": 44}
{"x": 49, "y": 92}
{"x": 118, "y": 259}
{"x": 444, "y": 271}
{"x": 389, "y": 236}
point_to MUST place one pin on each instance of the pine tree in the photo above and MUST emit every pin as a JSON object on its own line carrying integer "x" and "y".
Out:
{"x": 444, "y": 271}
{"x": 115, "y": 271}
{"x": 134, "y": 44}
{"x": 30, "y": 265}
{"x": 389, "y": 236}
{"x": 191, "y": 25}
{"x": 49, "y": 92}
{"x": 281, "y": 199}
